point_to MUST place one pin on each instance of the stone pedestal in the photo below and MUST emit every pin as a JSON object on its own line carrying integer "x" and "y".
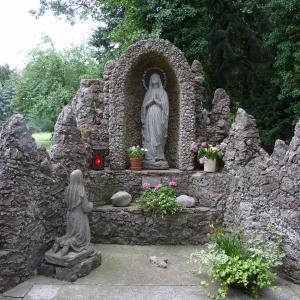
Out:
{"x": 155, "y": 165}
{"x": 71, "y": 266}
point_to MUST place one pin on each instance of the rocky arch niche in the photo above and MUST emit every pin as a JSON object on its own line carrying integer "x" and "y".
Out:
{"x": 135, "y": 92}
{"x": 126, "y": 95}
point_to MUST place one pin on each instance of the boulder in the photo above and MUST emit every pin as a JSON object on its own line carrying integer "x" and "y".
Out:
{"x": 121, "y": 199}
{"x": 186, "y": 201}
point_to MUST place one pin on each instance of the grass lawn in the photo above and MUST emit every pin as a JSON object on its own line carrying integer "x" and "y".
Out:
{"x": 43, "y": 138}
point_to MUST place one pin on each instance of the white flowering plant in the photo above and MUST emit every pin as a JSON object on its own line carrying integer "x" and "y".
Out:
{"x": 234, "y": 260}
{"x": 207, "y": 151}
{"x": 136, "y": 151}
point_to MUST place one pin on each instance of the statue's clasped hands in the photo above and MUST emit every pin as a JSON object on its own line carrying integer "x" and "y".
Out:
{"x": 154, "y": 101}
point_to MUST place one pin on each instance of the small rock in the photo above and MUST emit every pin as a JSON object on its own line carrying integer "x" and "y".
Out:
{"x": 121, "y": 199}
{"x": 160, "y": 262}
{"x": 186, "y": 201}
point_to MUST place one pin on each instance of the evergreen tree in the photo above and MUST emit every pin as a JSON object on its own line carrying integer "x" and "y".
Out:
{"x": 6, "y": 93}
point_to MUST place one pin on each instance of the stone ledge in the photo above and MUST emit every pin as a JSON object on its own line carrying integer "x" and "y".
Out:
{"x": 129, "y": 225}
{"x": 155, "y": 172}
{"x": 135, "y": 208}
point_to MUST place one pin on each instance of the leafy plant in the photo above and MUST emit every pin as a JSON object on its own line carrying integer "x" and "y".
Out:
{"x": 234, "y": 260}
{"x": 49, "y": 81}
{"x": 6, "y": 94}
{"x": 249, "y": 48}
{"x": 160, "y": 200}
{"x": 136, "y": 151}
{"x": 206, "y": 151}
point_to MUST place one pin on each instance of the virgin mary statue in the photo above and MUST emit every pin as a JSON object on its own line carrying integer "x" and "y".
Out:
{"x": 155, "y": 117}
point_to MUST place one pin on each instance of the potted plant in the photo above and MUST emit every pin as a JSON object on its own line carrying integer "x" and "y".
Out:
{"x": 208, "y": 155}
{"x": 136, "y": 154}
{"x": 240, "y": 262}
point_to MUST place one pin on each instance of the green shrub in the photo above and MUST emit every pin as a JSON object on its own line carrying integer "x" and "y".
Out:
{"x": 136, "y": 151}
{"x": 161, "y": 200}
{"x": 236, "y": 261}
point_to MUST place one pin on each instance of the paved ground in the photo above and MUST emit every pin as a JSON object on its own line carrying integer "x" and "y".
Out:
{"x": 125, "y": 273}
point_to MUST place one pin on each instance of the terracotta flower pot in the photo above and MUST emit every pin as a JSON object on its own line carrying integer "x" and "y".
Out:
{"x": 136, "y": 163}
{"x": 210, "y": 165}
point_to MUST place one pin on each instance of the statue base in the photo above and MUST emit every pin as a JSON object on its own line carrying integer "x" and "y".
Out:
{"x": 72, "y": 266}
{"x": 155, "y": 165}
{"x": 68, "y": 260}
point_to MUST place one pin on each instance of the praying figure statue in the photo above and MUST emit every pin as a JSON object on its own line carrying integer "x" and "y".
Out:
{"x": 155, "y": 117}
{"x": 78, "y": 235}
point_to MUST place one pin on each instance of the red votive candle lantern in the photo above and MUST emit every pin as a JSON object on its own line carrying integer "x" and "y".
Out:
{"x": 99, "y": 154}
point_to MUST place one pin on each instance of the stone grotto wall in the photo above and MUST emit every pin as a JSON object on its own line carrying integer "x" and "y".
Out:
{"x": 130, "y": 225}
{"x": 91, "y": 111}
{"x": 265, "y": 190}
{"x": 213, "y": 126}
{"x": 198, "y": 73}
{"x": 126, "y": 96}
{"x": 30, "y": 207}
{"x": 253, "y": 190}
{"x": 69, "y": 151}
{"x": 209, "y": 190}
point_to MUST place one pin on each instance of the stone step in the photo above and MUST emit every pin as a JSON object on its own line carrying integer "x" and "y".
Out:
{"x": 129, "y": 225}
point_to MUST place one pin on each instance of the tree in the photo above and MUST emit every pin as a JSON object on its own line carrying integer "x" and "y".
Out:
{"x": 284, "y": 40}
{"x": 49, "y": 81}
{"x": 6, "y": 93}
{"x": 250, "y": 47}
{"x": 5, "y": 73}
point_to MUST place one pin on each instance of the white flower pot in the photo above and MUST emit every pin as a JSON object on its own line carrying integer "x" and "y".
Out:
{"x": 210, "y": 165}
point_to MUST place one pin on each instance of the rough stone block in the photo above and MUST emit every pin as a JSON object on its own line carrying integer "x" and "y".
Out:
{"x": 75, "y": 271}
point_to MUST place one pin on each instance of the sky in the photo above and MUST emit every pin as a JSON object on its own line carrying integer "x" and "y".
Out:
{"x": 20, "y": 32}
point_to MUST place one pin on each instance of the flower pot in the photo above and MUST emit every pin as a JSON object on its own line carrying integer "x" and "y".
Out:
{"x": 210, "y": 165}
{"x": 136, "y": 163}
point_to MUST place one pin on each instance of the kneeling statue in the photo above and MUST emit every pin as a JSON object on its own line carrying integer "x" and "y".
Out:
{"x": 73, "y": 255}
{"x": 78, "y": 235}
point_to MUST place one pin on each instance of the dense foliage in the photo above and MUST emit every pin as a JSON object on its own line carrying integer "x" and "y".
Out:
{"x": 161, "y": 200}
{"x": 49, "y": 81}
{"x": 234, "y": 260}
{"x": 250, "y": 48}
{"x": 5, "y": 73}
{"x": 6, "y": 92}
